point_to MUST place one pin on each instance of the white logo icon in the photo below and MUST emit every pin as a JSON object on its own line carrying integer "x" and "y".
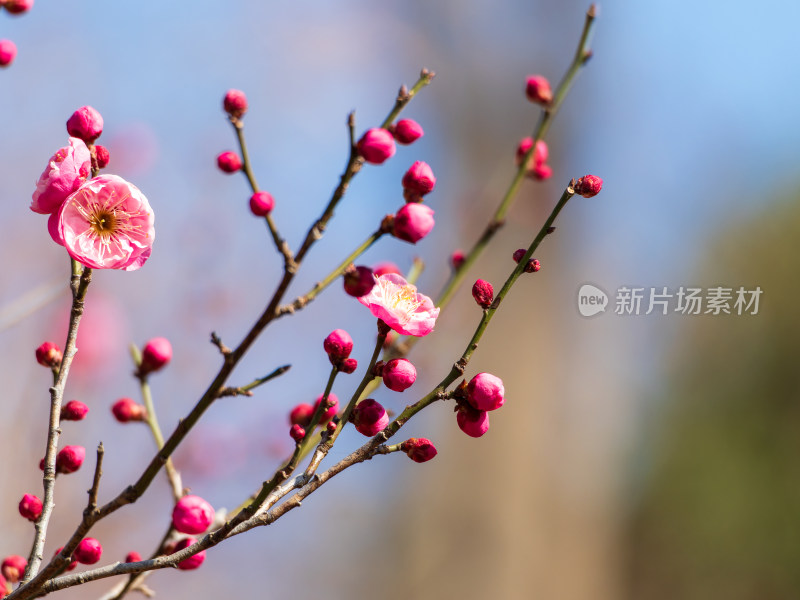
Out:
{"x": 591, "y": 300}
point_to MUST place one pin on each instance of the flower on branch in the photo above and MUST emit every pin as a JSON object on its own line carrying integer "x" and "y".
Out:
{"x": 107, "y": 224}
{"x": 398, "y": 304}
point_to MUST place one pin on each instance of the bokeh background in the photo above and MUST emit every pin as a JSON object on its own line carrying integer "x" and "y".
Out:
{"x": 637, "y": 457}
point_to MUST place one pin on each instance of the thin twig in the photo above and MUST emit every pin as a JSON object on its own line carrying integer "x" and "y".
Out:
{"x": 98, "y": 472}
{"x": 79, "y": 283}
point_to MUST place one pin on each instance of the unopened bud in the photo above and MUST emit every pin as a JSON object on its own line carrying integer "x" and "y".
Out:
{"x": 358, "y": 281}
{"x": 13, "y": 568}
{"x": 407, "y": 131}
{"x": 419, "y": 450}
{"x": 229, "y": 162}
{"x": 49, "y": 355}
{"x": 301, "y": 414}
{"x": 30, "y": 507}
{"x": 588, "y": 186}
{"x": 348, "y": 365}
{"x": 235, "y": 103}
{"x": 74, "y": 411}
{"x": 369, "y": 417}
{"x": 338, "y": 345}
{"x": 537, "y": 89}
{"x": 376, "y": 146}
{"x": 70, "y": 459}
{"x": 155, "y": 355}
{"x": 399, "y": 374}
{"x": 297, "y": 433}
{"x": 483, "y": 292}
{"x": 85, "y": 123}
{"x": 126, "y": 410}
{"x": 88, "y": 551}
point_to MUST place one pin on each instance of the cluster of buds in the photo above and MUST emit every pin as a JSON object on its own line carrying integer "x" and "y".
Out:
{"x": 300, "y": 416}
{"x": 532, "y": 266}
{"x": 474, "y": 401}
{"x": 537, "y": 164}
{"x": 338, "y": 345}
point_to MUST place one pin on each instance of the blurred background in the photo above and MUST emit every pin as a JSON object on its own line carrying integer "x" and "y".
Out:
{"x": 637, "y": 456}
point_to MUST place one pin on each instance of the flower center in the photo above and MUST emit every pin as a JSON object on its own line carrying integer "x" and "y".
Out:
{"x": 102, "y": 221}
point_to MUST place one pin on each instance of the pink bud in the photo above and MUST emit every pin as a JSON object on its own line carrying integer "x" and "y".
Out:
{"x": 348, "y": 365}
{"x": 30, "y": 507}
{"x": 419, "y": 179}
{"x": 413, "y": 222}
{"x": 49, "y": 355}
{"x": 74, "y": 411}
{"x": 192, "y": 514}
{"x": 88, "y": 551}
{"x": 376, "y": 146}
{"x": 101, "y": 156}
{"x": 85, "y": 123}
{"x": 333, "y": 407}
{"x": 541, "y": 172}
{"x": 13, "y": 568}
{"x": 70, "y": 459}
{"x": 261, "y": 204}
{"x": 17, "y": 7}
{"x": 386, "y": 267}
{"x": 133, "y": 557}
{"x": 72, "y": 562}
{"x": 297, "y": 433}
{"x": 155, "y": 355}
{"x": 399, "y": 374}
{"x": 472, "y": 422}
{"x": 588, "y": 186}
{"x": 338, "y": 345}
{"x": 457, "y": 259}
{"x": 301, "y": 415}
{"x": 358, "y": 281}
{"x": 126, "y": 410}
{"x": 485, "y": 392}
{"x": 235, "y": 103}
{"x": 229, "y": 162}
{"x": 193, "y": 561}
{"x": 537, "y": 89}
{"x": 407, "y": 131}
{"x": 419, "y": 450}
{"x": 330, "y": 427}
{"x": 483, "y": 292}
{"x": 369, "y": 417}
{"x": 8, "y": 52}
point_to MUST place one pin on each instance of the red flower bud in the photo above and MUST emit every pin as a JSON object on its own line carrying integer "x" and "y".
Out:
{"x": 70, "y": 459}
{"x": 155, "y": 355}
{"x": 588, "y": 186}
{"x": 13, "y": 568}
{"x": 261, "y": 204}
{"x": 419, "y": 449}
{"x": 483, "y": 292}
{"x": 235, "y": 103}
{"x": 85, "y": 123}
{"x": 376, "y": 146}
{"x": 88, "y": 551}
{"x": 229, "y": 162}
{"x": 30, "y": 507}
{"x": 358, "y": 281}
{"x": 126, "y": 410}
{"x": 297, "y": 433}
{"x": 406, "y": 131}
{"x": 301, "y": 415}
{"x": 537, "y": 89}
{"x": 74, "y": 411}
{"x": 49, "y": 355}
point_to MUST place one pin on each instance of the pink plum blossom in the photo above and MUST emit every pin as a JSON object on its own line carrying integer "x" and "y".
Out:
{"x": 65, "y": 173}
{"x": 397, "y": 303}
{"x": 107, "y": 224}
{"x": 192, "y": 514}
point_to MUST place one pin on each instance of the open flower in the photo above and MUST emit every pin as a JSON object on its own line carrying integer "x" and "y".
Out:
{"x": 107, "y": 224}
{"x": 65, "y": 172}
{"x": 398, "y": 304}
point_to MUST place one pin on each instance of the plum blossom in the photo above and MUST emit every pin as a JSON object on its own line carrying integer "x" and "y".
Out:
{"x": 397, "y": 303}
{"x": 66, "y": 171}
{"x": 107, "y": 224}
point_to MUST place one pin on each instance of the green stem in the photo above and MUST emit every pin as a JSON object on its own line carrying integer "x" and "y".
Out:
{"x": 301, "y": 301}
{"x": 404, "y": 97}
